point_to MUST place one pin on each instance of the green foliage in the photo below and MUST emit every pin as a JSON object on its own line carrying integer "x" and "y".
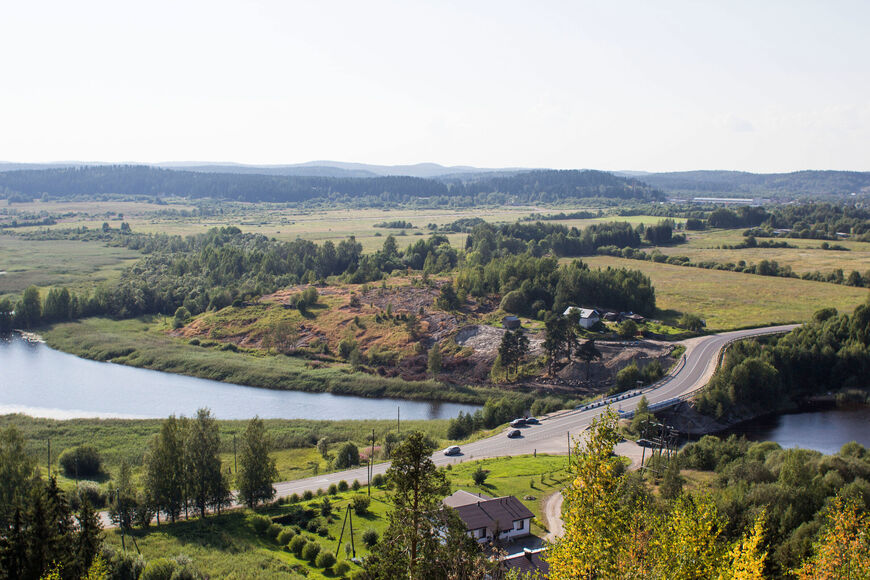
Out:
{"x": 361, "y": 504}
{"x": 346, "y": 456}
{"x": 285, "y": 535}
{"x": 310, "y": 551}
{"x": 342, "y": 485}
{"x": 159, "y": 569}
{"x": 260, "y": 523}
{"x": 297, "y": 544}
{"x": 325, "y": 560}
{"x": 627, "y": 329}
{"x": 257, "y": 470}
{"x": 479, "y": 476}
{"x": 434, "y": 360}
{"x": 690, "y": 322}
{"x": 370, "y": 537}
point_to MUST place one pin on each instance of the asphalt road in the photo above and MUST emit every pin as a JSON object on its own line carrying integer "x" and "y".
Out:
{"x": 552, "y": 435}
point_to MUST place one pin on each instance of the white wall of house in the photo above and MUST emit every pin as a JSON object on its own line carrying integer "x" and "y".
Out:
{"x": 588, "y": 322}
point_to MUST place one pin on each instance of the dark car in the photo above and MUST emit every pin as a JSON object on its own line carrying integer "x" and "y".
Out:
{"x": 514, "y": 433}
{"x": 518, "y": 423}
{"x": 531, "y": 421}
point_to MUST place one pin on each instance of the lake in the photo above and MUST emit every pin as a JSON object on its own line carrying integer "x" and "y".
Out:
{"x": 42, "y": 382}
{"x": 824, "y": 430}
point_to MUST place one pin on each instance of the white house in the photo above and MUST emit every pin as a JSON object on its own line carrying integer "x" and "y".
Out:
{"x": 502, "y": 518}
{"x": 589, "y": 317}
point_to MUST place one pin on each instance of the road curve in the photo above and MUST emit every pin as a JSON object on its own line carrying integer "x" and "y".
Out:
{"x": 553, "y": 434}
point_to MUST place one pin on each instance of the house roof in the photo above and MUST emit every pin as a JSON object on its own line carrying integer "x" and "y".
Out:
{"x": 584, "y": 312}
{"x": 527, "y": 561}
{"x": 463, "y": 497}
{"x": 495, "y": 514}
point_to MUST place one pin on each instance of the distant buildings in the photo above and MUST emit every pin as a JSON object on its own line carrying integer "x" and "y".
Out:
{"x": 511, "y": 322}
{"x": 589, "y": 317}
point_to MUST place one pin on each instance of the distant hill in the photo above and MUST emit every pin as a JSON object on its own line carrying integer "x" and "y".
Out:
{"x": 738, "y": 183}
{"x": 140, "y": 180}
{"x": 287, "y": 170}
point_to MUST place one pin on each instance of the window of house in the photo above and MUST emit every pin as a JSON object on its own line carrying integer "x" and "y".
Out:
{"x": 519, "y": 524}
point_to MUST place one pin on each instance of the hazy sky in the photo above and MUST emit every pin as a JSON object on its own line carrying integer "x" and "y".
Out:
{"x": 647, "y": 85}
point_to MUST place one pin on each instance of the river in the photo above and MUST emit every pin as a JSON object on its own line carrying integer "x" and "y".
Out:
{"x": 42, "y": 382}
{"x": 824, "y": 430}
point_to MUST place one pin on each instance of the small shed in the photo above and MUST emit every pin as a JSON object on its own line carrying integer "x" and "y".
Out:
{"x": 510, "y": 322}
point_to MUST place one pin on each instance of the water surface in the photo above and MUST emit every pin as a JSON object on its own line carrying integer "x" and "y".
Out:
{"x": 43, "y": 382}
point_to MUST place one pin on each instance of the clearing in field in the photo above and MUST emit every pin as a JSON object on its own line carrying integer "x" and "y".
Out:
{"x": 731, "y": 300}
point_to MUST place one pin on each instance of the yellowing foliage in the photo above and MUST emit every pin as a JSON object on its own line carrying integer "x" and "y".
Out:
{"x": 843, "y": 548}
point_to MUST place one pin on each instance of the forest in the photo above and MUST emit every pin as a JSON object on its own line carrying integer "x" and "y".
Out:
{"x": 739, "y": 183}
{"x": 137, "y": 180}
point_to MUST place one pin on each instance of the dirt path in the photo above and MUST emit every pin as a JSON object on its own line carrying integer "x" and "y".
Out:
{"x": 553, "y": 515}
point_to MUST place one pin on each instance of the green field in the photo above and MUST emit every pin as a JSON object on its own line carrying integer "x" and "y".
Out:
{"x": 59, "y": 263}
{"x": 731, "y": 300}
{"x": 226, "y": 546}
{"x": 806, "y": 257}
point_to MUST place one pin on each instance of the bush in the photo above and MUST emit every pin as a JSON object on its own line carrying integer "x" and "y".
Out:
{"x": 333, "y": 489}
{"x": 90, "y": 490}
{"x": 81, "y": 461}
{"x": 378, "y": 480}
{"x": 285, "y": 535}
{"x": 296, "y": 545}
{"x": 627, "y": 329}
{"x": 159, "y": 569}
{"x": 323, "y": 531}
{"x": 342, "y": 568}
{"x": 355, "y": 485}
{"x": 361, "y": 504}
{"x": 187, "y": 572}
{"x": 342, "y": 485}
{"x": 308, "y": 494}
{"x": 346, "y": 456}
{"x": 479, "y": 475}
{"x": 312, "y": 525}
{"x": 325, "y": 507}
{"x": 310, "y": 551}
{"x": 273, "y": 530}
{"x": 325, "y": 560}
{"x": 370, "y": 537}
{"x": 260, "y": 523}
{"x": 294, "y": 498}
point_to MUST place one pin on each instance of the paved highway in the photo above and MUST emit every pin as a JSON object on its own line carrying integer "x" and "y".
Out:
{"x": 551, "y": 436}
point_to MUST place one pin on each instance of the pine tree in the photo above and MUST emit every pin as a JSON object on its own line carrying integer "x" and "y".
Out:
{"x": 257, "y": 470}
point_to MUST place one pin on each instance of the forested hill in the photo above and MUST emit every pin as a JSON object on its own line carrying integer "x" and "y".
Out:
{"x": 140, "y": 180}
{"x": 738, "y": 183}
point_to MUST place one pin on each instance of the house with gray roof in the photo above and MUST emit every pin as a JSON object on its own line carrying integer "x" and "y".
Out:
{"x": 487, "y": 519}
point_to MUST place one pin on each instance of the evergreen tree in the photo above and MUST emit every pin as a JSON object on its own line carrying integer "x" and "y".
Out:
{"x": 587, "y": 353}
{"x": 257, "y": 470}
{"x": 434, "y": 360}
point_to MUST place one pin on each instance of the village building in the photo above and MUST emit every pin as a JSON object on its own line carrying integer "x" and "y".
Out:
{"x": 488, "y": 519}
{"x": 589, "y": 317}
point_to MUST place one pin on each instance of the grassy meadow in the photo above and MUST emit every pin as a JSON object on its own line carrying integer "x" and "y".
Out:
{"x": 227, "y": 546}
{"x": 732, "y": 300}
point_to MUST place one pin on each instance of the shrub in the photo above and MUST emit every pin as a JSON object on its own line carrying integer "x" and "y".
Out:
{"x": 81, "y": 461}
{"x": 323, "y": 531}
{"x": 342, "y": 568}
{"x": 187, "y": 572}
{"x": 346, "y": 456}
{"x": 361, "y": 504}
{"x": 312, "y": 525}
{"x": 378, "y": 480}
{"x": 159, "y": 569}
{"x": 310, "y": 551}
{"x": 296, "y": 545}
{"x": 355, "y": 485}
{"x": 333, "y": 489}
{"x": 294, "y": 498}
{"x": 325, "y": 507}
{"x": 308, "y": 494}
{"x": 285, "y": 535}
{"x": 90, "y": 490}
{"x": 370, "y": 537}
{"x": 479, "y": 475}
{"x": 260, "y": 523}
{"x": 342, "y": 485}
{"x": 273, "y": 530}
{"x": 325, "y": 560}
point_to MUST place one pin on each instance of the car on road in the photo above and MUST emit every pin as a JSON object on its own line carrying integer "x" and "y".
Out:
{"x": 518, "y": 423}
{"x": 452, "y": 450}
{"x": 514, "y": 433}
{"x": 532, "y": 421}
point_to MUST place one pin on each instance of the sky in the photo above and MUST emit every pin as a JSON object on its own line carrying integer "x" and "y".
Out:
{"x": 622, "y": 85}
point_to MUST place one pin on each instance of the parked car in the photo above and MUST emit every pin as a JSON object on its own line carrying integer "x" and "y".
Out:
{"x": 518, "y": 423}
{"x": 514, "y": 433}
{"x": 531, "y": 421}
{"x": 452, "y": 450}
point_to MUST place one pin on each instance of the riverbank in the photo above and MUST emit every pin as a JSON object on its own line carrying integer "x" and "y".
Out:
{"x": 143, "y": 343}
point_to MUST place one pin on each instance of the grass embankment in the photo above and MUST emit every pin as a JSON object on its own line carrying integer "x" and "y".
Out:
{"x": 227, "y": 546}
{"x": 143, "y": 343}
{"x": 127, "y": 439}
{"x": 732, "y": 300}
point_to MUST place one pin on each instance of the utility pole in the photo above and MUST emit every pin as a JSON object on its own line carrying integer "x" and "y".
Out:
{"x": 48, "y": 464}
{"x": 398, "y": 417}
{"x": 235, "y": 465}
